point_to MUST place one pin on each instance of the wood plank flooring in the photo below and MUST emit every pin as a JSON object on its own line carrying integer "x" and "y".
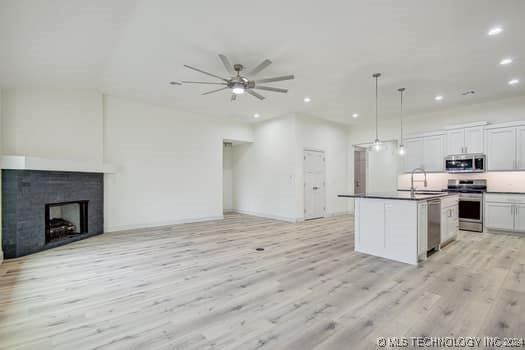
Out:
{"x": 204, "y": 286}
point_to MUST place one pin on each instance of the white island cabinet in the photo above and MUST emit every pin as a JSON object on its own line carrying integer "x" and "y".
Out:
{"x": 393, "y": 226}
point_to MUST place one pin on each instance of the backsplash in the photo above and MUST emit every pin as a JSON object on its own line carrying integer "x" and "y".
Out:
{"x": 512, "y": 181}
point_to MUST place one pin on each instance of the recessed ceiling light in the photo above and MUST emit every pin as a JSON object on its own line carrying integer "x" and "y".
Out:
{"x": 505, "y": 61}
{"x": 256, "y": 115}
{"x": 495, "y": 31}
{"x": 513, "y": 82}
{"x": 438, "y": 98}
{"x": 355, "y": 115}
{"x": 307, "y": 99}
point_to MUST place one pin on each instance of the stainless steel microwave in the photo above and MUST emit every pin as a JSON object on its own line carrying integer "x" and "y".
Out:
{"x": 466, "y": 163}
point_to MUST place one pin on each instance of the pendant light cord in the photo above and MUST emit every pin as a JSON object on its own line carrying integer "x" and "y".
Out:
{"x": 376, "y": 76}
{"x": 377, "y": 119}
{"x": 401, "y": 91}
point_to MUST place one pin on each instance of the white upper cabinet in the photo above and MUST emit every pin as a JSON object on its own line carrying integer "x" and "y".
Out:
{"x": 520, "y": 148}
{"x": 433, "y": 157}
{"x": 474, "y": 140}
{"x": 414, "y": 156}
{"x": 466, "y": 140}
{"x": 425, "y": 152}
{"x": 501, "y": 148}
{"x": 455, "y": 141}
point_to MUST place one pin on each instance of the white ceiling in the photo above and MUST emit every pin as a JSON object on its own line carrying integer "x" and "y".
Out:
{"x": 135, "y": 48}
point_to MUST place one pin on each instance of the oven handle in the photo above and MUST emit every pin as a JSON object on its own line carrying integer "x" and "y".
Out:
{"x": 470, "y": 200}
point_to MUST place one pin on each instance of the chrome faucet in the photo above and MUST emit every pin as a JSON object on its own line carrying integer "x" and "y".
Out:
{"x": 412, "y": 188}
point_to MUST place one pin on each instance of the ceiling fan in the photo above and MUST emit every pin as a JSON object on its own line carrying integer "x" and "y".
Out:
{"x": 240, "y": 83}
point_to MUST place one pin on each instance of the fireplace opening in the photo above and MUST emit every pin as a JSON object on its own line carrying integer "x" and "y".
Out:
{"x": 65, "y": 220}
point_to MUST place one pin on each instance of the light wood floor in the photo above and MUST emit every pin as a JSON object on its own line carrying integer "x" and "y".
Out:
{"x": 203, "y": 286}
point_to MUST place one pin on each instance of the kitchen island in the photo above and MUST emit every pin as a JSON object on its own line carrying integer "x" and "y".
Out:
{"x": 396, "y": 225}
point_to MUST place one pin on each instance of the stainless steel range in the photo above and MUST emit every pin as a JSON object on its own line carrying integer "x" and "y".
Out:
{"x": 470, "y": 202}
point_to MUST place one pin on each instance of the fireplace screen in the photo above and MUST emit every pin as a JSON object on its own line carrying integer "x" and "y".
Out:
{"x": 67, "y": 219}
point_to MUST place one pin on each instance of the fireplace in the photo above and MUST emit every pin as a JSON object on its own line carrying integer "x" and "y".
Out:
{"x": 46, "y": 209}
{"x": 65, "y": 220}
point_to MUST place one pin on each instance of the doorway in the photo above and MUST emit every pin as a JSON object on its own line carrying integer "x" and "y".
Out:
{"x": 314, "y": 185}
{"x": 360, "y": 170}
{"x": 227, "y": 177}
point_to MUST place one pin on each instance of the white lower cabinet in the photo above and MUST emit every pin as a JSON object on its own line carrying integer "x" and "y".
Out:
{"x": 499, "y": 216}
{"x": 449, "y": 222}
{"x": 519, "y": 218}
{"x": 505, "y": 212}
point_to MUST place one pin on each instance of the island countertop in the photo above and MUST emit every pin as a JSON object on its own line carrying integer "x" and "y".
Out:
{"x": 399, "y": 195}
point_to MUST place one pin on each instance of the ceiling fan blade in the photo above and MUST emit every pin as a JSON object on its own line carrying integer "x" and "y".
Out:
{"x": 202, "y": 82}
{"x": 269, "y": 80}
{"x": 268, "y": 88}
{"x": 234, "y": 97}
{"x": 213, "y": 91}
{"x": 203, "y": 72}
{"x": 253, "y": 93}
{"x": 227, "y": 64}
{"x": 260, "y": 67}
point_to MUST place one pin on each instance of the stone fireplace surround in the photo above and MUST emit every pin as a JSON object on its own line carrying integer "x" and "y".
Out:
{"x": 25, "y": 194}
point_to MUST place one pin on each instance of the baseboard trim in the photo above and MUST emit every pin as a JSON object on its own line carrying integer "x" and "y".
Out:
{"x": 339, "y": 213}
{"x": 118, "y": 228}
{"x": 268, "y": 216}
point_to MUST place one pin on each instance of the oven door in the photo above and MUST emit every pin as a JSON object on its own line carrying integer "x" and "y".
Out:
{"x": 470, "y": 210}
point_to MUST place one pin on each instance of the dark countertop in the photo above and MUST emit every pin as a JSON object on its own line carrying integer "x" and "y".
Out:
{"x": 497, "y": 192}
{"x": 399, "y": 195}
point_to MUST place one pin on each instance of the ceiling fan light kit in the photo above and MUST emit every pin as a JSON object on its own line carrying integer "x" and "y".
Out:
{"x": 239, "y": 84}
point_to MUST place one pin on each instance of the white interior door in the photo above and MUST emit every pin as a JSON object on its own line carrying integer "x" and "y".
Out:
{"x": 314, "y": 185}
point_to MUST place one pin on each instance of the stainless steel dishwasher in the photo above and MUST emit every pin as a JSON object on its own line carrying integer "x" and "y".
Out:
{"x": 434, "y": 224}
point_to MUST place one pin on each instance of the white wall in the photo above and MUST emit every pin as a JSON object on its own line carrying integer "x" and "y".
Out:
{"x": 268, "y": 174}
{"x": 227, "y": 178}
{"x": 264, "y": 172}
{"x": 53, "y": 123}
{"x": 383, "y": 168}
{"x": 317, "y": 134}
{"x": 170, "y": 165}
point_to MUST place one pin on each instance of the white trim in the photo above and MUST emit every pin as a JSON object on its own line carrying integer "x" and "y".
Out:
{"x": 505, "y": 125}
{"x": 269, "y": 216}
{"x": 47, "y": 164}
{"x": 466, "y": 125}
{"x": 118, "y": 228}
{"x": 425, "y": 134}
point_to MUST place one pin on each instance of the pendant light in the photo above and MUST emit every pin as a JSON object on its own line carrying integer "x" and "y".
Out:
{"x": 402, "y": 150}
{"x": 378, "y": 145}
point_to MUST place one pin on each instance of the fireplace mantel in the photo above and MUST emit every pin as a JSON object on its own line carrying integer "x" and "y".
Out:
{"x": 47, "y": 164}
